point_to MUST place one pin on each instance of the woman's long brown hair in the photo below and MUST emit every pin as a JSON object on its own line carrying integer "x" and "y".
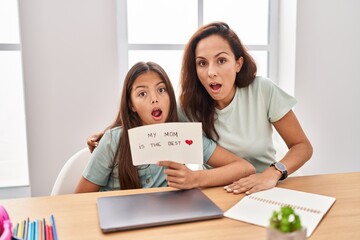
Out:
{"x": 128, "y": 174}
{"x": 194, "y": 99}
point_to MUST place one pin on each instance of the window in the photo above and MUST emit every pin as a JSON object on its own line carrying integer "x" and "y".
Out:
{"x": 157, "y": 30}
{"x": 13, "y": 147}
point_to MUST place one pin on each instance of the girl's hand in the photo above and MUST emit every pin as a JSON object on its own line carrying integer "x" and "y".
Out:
{"x": 254, "y": 183}
{"x": 178, "y": 175}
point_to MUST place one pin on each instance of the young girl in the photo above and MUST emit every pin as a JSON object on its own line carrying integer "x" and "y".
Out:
{"x": 148, "y": 98}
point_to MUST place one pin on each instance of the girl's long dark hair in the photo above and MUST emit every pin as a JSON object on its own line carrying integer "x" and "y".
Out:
{"x": 194, "y": 99}
{"x": 128, "y": 174}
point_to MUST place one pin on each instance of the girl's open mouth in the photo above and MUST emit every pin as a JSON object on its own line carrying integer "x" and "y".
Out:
{"x": 156, "y": 113}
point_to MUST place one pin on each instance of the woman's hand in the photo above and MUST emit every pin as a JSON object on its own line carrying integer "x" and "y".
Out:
{"x": 93, "y": 141}
{"x": 255, "y": 182}
{"x": 178, "y": 175}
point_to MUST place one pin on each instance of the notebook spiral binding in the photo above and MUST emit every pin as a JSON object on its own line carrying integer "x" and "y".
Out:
{"x": 282, "y": 204}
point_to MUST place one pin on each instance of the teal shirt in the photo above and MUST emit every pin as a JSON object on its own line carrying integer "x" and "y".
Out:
{"x": 103, "y": 171}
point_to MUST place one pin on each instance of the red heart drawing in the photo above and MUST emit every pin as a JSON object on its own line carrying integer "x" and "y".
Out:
{"x": 189, "y": 142}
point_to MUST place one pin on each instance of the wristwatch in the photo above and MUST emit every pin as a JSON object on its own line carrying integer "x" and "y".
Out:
{"x": 282, "y": 168}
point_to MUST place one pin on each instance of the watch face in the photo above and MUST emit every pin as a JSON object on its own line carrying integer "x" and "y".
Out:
{"x": 280, "y": 166}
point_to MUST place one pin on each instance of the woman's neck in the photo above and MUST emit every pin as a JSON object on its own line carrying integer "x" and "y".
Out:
{"x": 221, "y": 104}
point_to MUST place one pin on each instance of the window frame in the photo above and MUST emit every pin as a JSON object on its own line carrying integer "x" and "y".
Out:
{"x": 124, "y": 47}
{"x": 15, "y": 182}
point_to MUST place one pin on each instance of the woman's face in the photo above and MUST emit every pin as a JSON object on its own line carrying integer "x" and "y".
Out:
{"x": 216, "y": 68}
{"x": 150, "y": 98}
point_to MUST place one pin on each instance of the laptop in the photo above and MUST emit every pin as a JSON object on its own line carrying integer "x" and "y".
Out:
{"x": 117, "y": 213}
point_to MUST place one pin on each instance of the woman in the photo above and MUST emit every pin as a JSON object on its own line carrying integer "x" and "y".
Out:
{"x": 238, "y": 110}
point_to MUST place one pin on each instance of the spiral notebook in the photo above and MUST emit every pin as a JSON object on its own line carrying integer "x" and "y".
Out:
{"x": 257, "y": 208}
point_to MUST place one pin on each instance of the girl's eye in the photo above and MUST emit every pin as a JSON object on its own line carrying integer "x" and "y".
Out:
{"x": 142, "y": 94}
{"x": 162, "y": 90}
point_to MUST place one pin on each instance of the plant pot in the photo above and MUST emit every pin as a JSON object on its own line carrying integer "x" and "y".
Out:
{"x": 274, "y": 234}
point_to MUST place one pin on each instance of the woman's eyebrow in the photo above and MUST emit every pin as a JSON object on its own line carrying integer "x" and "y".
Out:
{"x": 223, "y": 52}
{"x": 216, "y": 55}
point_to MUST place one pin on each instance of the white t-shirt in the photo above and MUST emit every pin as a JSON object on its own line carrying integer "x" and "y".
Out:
{"x": 245, "y": 125}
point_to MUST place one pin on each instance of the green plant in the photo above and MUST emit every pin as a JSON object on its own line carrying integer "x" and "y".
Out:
{"x": 285, "y": 220}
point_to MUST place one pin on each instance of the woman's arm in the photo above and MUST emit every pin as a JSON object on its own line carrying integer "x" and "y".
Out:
{"x": 93, "y": 141}
{"x": 300, "y": 151}
{"x": 227, "y": 168}
{"x": 85, "y": 186}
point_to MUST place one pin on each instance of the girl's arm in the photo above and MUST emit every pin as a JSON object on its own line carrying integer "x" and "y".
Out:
{"x": 100, "y": 165}
{"x": 85, "y": 186}
{"x": 227, "y": 168}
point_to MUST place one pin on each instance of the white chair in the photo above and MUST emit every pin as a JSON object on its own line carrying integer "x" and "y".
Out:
{"x": 70, "y": 173}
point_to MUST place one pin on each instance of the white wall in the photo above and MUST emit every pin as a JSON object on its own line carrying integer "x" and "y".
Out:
{"x": 287, "y": 45}
{"x": 327, "y": 82}
{"x": 71, "y": 79}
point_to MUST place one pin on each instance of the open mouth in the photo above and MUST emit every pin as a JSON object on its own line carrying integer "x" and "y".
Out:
{"x": 215, "y": 86}
{"x": 156, "y": 113}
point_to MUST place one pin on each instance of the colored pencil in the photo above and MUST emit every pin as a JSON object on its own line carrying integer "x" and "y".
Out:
{"x": 15, "y": 230}
{"x": 53, "y": 227}
{"x": 47, "y": 232}
{"x": 29, "y": 231}
{"x": 40, "y": 237}
{"x": 51, "y": 234}
{"x": 20, "y": 230}
{"x": 26, "y": 229}
{"x": 44, "y": 229}
{"x": 33, "y": 230}
{"x": 36, "y": 230}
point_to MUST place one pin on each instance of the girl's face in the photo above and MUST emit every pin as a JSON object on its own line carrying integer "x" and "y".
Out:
{"x": 150, "y": 98}
{"x": 216, "y": 68}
